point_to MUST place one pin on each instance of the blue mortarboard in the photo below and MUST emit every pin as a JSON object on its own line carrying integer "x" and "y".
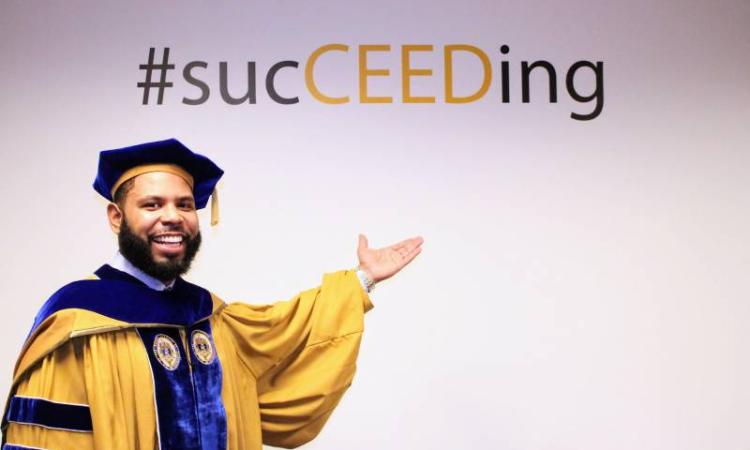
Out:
{"x": 119, "y": 165}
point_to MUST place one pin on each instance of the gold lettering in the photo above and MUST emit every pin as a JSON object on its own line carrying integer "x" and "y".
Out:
{"x": 449, "y": 97}
{"x": 365, "y": 72}
{"x": 311, "y": 86}
{"x": 407, "y": 72}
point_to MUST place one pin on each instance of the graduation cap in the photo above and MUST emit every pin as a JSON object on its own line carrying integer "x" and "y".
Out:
{"x": 119, "y": 165}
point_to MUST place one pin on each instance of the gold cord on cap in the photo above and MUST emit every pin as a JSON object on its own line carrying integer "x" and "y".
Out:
{"x": 215, "y": 207}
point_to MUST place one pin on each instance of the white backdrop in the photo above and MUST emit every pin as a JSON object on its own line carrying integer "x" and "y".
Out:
{"x": 583, "y": 284}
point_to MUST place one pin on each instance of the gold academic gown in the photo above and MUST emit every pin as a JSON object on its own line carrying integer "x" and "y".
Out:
{"x": 241, "y": 375}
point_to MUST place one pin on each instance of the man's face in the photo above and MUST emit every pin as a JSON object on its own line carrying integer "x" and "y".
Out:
{"x": 159, "y": 232}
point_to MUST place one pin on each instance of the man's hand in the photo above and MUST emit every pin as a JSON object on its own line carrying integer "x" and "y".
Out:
{"x": 383, "y": 263}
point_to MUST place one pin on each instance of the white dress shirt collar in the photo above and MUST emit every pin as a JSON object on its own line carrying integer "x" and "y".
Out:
{"x": 121, "y": 263}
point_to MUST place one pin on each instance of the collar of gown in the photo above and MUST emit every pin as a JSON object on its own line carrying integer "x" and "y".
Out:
{"x": 121, "y": 263}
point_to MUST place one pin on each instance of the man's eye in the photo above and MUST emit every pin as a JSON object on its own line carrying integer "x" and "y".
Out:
{"x": 150, "y": 205}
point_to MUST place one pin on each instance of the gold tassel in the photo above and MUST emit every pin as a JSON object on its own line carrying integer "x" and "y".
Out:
{"x": 215, "y": 207}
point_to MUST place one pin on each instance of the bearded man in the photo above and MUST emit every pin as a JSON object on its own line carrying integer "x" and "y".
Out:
{"x": 136, "y": 357}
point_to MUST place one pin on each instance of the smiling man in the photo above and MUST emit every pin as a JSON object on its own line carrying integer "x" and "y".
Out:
{"x": 161, "y": 237}
{"x": 136, "y": 357}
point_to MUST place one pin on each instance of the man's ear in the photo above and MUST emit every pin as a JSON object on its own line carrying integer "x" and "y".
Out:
{"x": 114, "y": 214}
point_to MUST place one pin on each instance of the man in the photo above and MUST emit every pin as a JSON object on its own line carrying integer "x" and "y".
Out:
{"x": 138, "y": 358}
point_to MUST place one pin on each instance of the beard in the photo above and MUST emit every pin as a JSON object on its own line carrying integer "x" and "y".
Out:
{"x": 138, "y": 251}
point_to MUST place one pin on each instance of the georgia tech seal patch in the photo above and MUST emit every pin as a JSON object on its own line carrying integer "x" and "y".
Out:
{"x": 166, "y": 351}
{"x": 202, "y": 347}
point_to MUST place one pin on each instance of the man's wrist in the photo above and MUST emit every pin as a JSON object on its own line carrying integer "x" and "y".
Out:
{"x": 367, "y": 282}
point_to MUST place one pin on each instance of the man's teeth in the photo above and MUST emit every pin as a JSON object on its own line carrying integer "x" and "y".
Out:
{"x": 168, "y": 239}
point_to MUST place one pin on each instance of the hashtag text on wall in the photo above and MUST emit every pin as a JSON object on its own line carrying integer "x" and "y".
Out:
{"x": 495, "y": 80}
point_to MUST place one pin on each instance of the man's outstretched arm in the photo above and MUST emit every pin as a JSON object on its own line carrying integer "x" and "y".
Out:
{"x": 302, "y": 352}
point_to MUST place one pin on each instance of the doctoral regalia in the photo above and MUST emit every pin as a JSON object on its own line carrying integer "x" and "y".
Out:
{"x": 113, "y": 364}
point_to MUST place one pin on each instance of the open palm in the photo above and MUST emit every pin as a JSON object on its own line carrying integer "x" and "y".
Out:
{"x": 382, "y": 263}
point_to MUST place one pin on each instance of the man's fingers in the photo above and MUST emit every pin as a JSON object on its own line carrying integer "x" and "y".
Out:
{"x": 409, "y": 244}
{"x": 415, "y": 242}
{"x": 411, "y": 255}
{"x": 362, "y": 242}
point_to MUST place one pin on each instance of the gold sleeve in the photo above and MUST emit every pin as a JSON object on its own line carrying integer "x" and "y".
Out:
{"x": 54, "y": 384}
{"x": 92, "y": 392}
{"x": 302, "y": 353}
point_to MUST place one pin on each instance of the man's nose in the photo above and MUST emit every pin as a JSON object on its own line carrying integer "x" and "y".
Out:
{"x": 170, "y": 214}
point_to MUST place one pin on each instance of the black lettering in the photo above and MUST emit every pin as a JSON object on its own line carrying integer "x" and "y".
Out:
{"x": 526, "y": 71}
{"x": 505, "y": 74}
{"x": 271, "y": 88}
{"x": 223, "y": 85}
{"x": 598, "y": 93}
{"x": 187, "y": 74}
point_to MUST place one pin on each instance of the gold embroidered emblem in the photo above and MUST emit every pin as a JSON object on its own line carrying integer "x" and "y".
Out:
{"x": 202, "y": 347}
{"x": 166, "y": 351}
